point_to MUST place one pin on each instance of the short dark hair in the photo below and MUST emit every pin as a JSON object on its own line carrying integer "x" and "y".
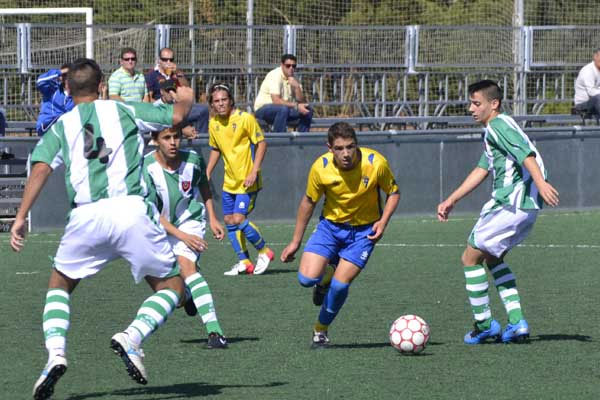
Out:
{"x": 84, "y": 77}
{"x": 340, "y": 130}
{"x": 220, "y": 86}
{"x": 126, "y": 50}
{"x": 286, "y": 57}
{"x": 488, "y": 88}
{"x": 154, "y": 134}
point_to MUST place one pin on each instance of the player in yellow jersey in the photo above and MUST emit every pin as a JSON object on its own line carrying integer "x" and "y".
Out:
{"x": 236, "y": 136}
{"x": 352, "y": 221}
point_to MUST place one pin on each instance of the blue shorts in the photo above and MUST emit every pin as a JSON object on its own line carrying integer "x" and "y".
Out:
{"x": 238, "y": 203}
{"x": 331, "y": 240}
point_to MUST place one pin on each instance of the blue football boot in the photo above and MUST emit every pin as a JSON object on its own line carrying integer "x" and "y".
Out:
{"x": 518, "y": 332}
{"x": 477, "y": 336}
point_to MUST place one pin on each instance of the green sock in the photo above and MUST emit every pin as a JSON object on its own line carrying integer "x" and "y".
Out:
{"x": 507, "y": 289}
{"x": 204, "y": 302}
{"x": 477, "y": 289}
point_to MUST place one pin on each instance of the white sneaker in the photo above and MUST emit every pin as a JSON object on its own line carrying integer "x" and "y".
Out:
{"x": 239, "y": 268}
{"x": 44, "y": 386}
{"x": 132, "y": 356}
{"x": 263, "y": 260}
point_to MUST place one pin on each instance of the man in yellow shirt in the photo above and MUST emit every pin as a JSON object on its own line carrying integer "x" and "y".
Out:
{"x": 236, "y": 136}
{"x": 281, "y": 100}
{"x": 352, "y": 221}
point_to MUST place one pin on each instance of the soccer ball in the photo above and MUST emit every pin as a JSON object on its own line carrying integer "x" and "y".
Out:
{"x": 409, "y": 334}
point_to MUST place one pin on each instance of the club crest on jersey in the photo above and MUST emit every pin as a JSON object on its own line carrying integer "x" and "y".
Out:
{"x": 234, "y": 126}
{"x": 185, "y": 185}
{"x": 365, "y": 180}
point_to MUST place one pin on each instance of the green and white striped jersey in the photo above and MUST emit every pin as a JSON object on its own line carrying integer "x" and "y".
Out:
{"x": 101, "y": 146}
{"x": 506, "y": 147}
{"x": 177, "y": 192}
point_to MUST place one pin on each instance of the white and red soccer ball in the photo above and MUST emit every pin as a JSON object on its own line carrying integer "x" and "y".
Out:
{"x": 409, "y": 334}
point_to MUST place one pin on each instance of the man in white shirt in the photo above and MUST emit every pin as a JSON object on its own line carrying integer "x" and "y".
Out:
{"x": 587, "y": 86}
{"x": 281, "y": 101}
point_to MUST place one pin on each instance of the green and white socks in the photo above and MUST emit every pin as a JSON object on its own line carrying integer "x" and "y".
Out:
{"x": 477, "y": 289}
{"x": 203, "y": 301}
{"x": 507, "y": 289}
{"x": 152, "y": 314}
{"x": 56, "y": 321}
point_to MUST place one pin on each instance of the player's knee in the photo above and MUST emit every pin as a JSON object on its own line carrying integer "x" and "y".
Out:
{"x": 237, "y": 219}
{"x": 306, "y": 281}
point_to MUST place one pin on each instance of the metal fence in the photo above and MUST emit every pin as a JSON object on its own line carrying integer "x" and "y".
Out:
{"x": 352, "y": 70}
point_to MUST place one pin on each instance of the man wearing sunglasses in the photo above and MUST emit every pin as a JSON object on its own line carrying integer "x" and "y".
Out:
{"x": 127, "y": 84}
{"x": 281, "y": 101}
{"x": 166, "y": 70}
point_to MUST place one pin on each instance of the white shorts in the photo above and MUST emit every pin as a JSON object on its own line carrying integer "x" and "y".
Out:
{"x": 191, "y": 227}
{"x": 105, "y": 230}
{"x": 500, "y": 230}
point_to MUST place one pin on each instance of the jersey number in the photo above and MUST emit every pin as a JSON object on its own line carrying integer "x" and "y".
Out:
{"x": 93, "y": 149}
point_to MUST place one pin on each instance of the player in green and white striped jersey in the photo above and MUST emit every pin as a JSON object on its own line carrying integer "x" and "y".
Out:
{"x": 177, "y": 178}
{"x": 100, "y": 145}
{"x": 519, "y": 191}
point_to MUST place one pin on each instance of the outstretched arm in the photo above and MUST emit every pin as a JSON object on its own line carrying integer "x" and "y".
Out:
{"x": 473, "y": 180}
{"x": 305, "y": 211}
{"x": 194, "y": 242}
{"x": 39, "y": 174}
{"x": 547, "y": 191}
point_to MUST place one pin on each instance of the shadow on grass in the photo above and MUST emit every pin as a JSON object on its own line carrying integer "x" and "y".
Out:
{"x": 559, "y": 337}
{"x": 176, "y": 391}
{"x": 229, "y": 340}
{"x": 279, "y": 271}
{"x": 372, "y": 345}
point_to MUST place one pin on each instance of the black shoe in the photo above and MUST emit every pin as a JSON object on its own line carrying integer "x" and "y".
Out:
{"x": 216, "y": 341}
{"x": 320, "y": 340}
{"x": 319, "y": 293}
{"x": 189, "y": 306}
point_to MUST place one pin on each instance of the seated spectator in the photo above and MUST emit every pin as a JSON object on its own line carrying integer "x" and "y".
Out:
{"x": 126, "y": 84}
{"x": 281, "y": 101}
{"x": 55, "y": 99}
{"x": 587, "y": 86}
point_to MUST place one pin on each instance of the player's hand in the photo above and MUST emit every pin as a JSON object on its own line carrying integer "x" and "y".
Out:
{"x": 217, "y": 230}
{"x": 189, "y": 132}
{"x": 443, "y": 210}
{"x": 17, "y": 234}
{"x": 303, "y": 108}
{"x": 549, "y": 194}
{"x": 376, "y": 231}
{"x": 194, "y": 242}
{"x": 250, "y": 179}
{"x": 289, "y": 253}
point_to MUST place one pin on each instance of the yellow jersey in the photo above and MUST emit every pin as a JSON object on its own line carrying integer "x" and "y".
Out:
{"x": 236, "y": 137}
{"x": 352, "y": 196}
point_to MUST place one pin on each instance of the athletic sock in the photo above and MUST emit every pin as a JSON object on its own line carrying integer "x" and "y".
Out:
{"x": 477, "y": 289}
{"x": 319, "y": 327}
{"x": 203, "y": 301}
{"x": 252, "y": 234}
{"x": 333, "y": 302}
{"x": 152, "y": 314}
{"x": 56, "y": 321}
{"x": 507, "y": 289}
{"x": 238, "y": 241}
